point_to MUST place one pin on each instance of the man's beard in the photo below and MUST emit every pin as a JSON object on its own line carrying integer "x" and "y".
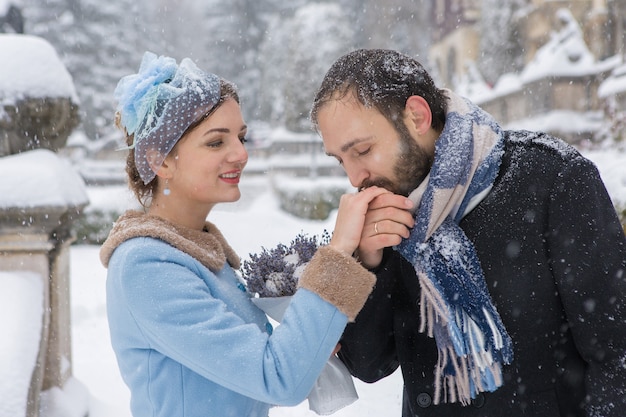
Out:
{"x": 410, "y": 167}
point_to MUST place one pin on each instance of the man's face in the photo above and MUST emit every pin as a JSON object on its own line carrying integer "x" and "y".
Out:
{"x": 370, "y": 149}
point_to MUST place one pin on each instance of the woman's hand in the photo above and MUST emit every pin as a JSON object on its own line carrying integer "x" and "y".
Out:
{"x": 349, "y": 225}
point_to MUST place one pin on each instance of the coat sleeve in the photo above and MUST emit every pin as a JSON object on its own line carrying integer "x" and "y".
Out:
{"x": 588, "y": 254}
{"x": 368, "y": 344}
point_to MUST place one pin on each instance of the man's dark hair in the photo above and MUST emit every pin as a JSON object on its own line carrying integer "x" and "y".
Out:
{"x": 382, "y": 79}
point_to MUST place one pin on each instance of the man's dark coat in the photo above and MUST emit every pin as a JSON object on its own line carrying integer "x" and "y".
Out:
{"x": 554, "y": 257}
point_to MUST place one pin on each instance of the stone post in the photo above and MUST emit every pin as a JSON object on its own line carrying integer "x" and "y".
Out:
{"x": 42, "y": 195}
{"x": 37, "y": 238}
{"x": 29, "y": 253}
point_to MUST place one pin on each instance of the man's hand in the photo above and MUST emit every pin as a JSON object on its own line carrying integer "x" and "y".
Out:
{"x": 387, "y": 221}
{"x": 349, "y": 225}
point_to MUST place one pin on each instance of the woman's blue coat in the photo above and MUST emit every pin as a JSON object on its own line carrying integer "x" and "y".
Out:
{"x": 189, "y": 342}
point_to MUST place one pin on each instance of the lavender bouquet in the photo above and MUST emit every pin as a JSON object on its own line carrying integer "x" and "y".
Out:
{"x": 273, "y": 276}
{"x": 275, "y": 272}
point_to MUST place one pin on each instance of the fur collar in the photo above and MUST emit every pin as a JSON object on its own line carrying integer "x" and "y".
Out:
{"x": 209, "y": 247}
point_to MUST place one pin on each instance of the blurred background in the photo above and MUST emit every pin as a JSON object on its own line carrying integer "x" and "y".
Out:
{"x": 278, "y": 51}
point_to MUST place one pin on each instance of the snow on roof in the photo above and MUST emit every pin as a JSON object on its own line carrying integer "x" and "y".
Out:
{"x": 40, "y": 178}
{"x": 615, "y": 84}
{"x": 565, "y": 55}
{"x": 563, "y": 121}
{"x": 31, "y": 68}
{"x": 507, "y": 84}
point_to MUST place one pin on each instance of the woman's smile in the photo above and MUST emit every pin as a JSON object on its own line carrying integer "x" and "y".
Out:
{"x": 231, "y": 177}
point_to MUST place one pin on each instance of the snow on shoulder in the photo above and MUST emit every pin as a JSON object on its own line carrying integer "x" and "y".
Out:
{"x": 565, "y": 54}
{"x": 31, "y": 68}
{"x": 40, "y": 178}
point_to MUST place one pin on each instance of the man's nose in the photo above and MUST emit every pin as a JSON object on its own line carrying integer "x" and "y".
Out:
{"x": 356, "y": 174}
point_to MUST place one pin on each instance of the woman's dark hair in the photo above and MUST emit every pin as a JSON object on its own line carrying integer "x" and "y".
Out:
{"x": 144, "y": 192}
{"x": 382, "y": 79}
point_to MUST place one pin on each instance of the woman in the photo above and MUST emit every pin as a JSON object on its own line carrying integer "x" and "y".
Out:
{"x": 188, "y": 339}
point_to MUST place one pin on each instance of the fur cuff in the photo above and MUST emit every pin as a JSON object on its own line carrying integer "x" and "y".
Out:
{"x": 338, "y": 279}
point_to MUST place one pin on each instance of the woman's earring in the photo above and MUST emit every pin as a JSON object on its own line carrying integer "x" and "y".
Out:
{"x": 166, "y": 190}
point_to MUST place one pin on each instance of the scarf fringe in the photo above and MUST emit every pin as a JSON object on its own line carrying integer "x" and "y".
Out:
{"x": 465, "y": 383}
{"x": 465, "y": 367}
{"x": 432, "y": 306}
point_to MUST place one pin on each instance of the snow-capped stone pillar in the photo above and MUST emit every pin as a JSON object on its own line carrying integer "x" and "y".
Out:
{"x": 41, "y": 197}
{"x": 38, "y": 102}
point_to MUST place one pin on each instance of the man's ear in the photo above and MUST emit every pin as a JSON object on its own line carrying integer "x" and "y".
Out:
{"x": 418, "y": 115}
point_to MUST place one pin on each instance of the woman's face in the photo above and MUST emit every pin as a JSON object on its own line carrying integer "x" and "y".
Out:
{"x": 208, "y": 161}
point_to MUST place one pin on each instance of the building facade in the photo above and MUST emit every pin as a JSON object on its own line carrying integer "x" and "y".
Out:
{"x": 586, "y": 35}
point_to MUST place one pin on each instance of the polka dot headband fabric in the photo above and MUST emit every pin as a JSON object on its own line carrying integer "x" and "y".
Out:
{"x": 159, "y": 103}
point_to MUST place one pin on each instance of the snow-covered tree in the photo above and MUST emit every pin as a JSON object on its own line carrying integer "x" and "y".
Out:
{"x": 175, "y": 28}
{"x": 98, "y": 42}
{"x": 295, "y": 41}
{"x": 232, "y": 37}
{"x": 394, "y": 24}
{"x": 320, "y": 33}
{"x": 275, "y": 51}
{"x": 501, "y": 50}
{"x": 275, "y": 58}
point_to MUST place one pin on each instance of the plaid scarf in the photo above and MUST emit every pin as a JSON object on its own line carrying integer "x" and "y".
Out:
{"x": 456, "y": 308}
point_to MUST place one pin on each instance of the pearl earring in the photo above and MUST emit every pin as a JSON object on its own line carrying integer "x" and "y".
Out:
{"x": 166, "y": 190}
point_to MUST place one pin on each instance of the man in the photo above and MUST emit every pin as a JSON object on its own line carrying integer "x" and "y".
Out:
{"x": 501, "y": 284}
